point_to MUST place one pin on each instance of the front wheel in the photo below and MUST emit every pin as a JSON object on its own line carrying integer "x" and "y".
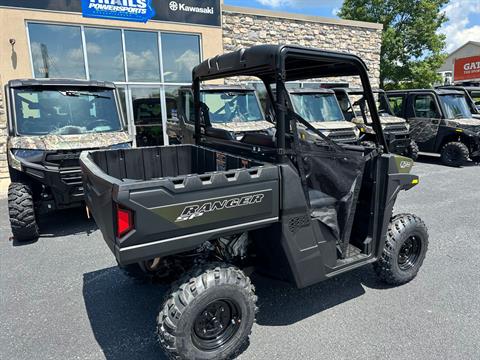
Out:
{"x": 454, "y": 154}
{"x": 405, "y": 249}
{"x": 21, "y": 210}
{"x": 209, "y": 315}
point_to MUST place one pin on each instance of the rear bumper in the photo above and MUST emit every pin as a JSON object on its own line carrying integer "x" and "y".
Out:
{"x": 179, "y": 244}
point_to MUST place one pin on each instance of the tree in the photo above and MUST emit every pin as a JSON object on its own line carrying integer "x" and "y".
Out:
{"x": 412, "y": 50}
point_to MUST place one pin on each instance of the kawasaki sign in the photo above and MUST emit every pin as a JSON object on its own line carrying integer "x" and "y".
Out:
{"x": 201, "y": 12}
{"x": 175, "y": 6}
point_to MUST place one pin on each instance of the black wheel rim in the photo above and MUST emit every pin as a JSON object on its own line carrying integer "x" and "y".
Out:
{"x": 217, "y": 324}
{"x": 409, "y": 253}
{"x": 453, "y": 154}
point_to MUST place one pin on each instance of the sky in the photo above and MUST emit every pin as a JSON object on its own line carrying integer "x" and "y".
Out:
{"x": 463, "y": 26}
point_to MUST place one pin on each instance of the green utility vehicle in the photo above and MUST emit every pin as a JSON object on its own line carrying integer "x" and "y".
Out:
{"x": 395, "y": 129}
{"x": 440, "y": 122}
{"x": 50, "y": 122}
{"x": 298, "y": 210}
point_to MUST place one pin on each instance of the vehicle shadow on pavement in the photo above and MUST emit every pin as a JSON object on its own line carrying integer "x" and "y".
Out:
{"x": 62, "y": 223}
{"x": 282, "y": 304}
{"x": 435, "y": 160}
{"x": 122, "y": 314}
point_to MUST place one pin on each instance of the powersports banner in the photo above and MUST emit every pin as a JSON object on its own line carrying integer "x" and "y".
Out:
{"x": 199, "y": 12}
{"x": 129, "y": 10}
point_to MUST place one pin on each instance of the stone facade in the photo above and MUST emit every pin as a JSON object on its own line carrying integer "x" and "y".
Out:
{"x": 245, "y": 29}
{"x": 3, "y": 136}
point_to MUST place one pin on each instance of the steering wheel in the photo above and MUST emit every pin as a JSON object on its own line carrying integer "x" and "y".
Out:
{"x": 237, "y": 113}
{"x": 96, "y": 123}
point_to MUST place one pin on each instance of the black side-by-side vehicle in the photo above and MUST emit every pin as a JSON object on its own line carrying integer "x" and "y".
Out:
{"x": 440, "y": 122}
{"x": 301, "y": 211}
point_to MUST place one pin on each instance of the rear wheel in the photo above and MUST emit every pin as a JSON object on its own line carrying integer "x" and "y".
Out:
{"x": 21, "y": 211}
{"x": 405, "y": 249}
{"x": 454, "y": 154}
{"x": 209, "y": 315}
{"x": 412, "y": 151}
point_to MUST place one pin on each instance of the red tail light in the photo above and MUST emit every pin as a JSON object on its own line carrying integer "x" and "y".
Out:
{"x": 124, "y": 221}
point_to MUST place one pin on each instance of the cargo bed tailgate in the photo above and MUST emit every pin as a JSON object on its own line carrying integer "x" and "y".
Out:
{"x": 176, "y": 214}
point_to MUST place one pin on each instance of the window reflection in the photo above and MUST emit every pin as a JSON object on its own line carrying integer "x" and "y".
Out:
{"x": 143, "y": 62}
{"x": 181, "y": 53}
{"x": 105, "y": 54}
{"x": 147, "y": 115}
{"x": 57, "y": 51}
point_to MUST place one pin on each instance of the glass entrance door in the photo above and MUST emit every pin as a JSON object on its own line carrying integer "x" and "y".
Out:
{"x": 147, "y": 115}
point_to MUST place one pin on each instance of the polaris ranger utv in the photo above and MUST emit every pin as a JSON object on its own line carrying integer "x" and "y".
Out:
{"x": 308, "y": 211}
{"x": 440, "y": 122}
{"x": 395, "y": 129}
{"x": 49, "y": 123}
{"x": 472, "y": 95}
{"x": 321, "y": 109}
{"x": 232, "y": 112}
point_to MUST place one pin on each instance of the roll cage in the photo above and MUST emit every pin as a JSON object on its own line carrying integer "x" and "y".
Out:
{"x": 278, "y": 64}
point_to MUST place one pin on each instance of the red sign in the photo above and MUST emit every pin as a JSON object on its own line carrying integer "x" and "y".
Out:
{"x": 467, "y": 68}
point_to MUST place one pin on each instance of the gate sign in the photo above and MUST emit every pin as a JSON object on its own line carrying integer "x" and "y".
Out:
{"x": 128, "y": 10}
{"x": 467, "y": 68}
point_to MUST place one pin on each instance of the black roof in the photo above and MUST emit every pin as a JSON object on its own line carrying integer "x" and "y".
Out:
{"x": 356, "y": 90}
{"x": 59, "y": 82}
{"x": 435, "y": 91}
{"x": 227, "y": 88}
{"x": 311, "y": 91}
{"x": 262, "y": 61}
{"x": 459, "y": 87}
{"x": 221, "y": 87}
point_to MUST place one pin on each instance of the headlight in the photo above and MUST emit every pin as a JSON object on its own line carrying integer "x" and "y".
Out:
{"x": 407, "y": 125}
{"x": 121, "y": 146}
{"x": 238, "y": 136}
{"x": 28, "y": 155}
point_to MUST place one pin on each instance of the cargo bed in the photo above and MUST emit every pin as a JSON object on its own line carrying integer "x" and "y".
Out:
{"x": 151, "y": 202}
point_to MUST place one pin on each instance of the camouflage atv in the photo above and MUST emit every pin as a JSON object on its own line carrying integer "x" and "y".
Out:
{"x": 472, "y": 96}
{"x": 230, "y": 112}
{"x": 396, "y": 129}
{"x": 441, "y": 122}
{"x": 50, "y": 122}
{"x": 320, "y": 108}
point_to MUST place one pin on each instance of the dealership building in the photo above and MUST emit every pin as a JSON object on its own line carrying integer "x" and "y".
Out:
{"x": 149, "y": 47}
{"x": 462, "y": 66}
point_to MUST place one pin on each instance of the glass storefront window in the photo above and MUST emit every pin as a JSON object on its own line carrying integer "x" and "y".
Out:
{"x": 173, "y": 126}
{"x": 105, "y": 54}
{"x": 129, "y": 58}
{"x": 143, "y": 60}
{"x": 147, "y": 116}
{"x": 57, "y": 51}
{"x": 181, "y": 53}
{"x": 122, "y": 92}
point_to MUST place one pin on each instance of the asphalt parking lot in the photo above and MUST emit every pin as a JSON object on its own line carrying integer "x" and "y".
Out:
{"x": 63, "y": 298}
